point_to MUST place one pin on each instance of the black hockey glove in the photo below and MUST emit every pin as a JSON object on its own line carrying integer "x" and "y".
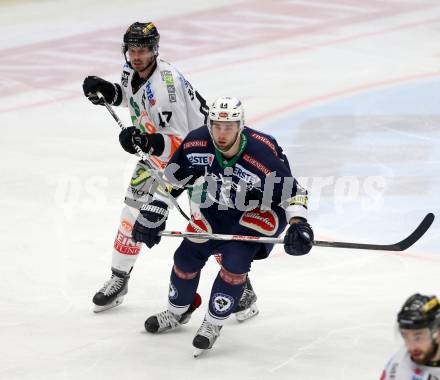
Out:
{"x": 150, "y": 222}
{"x": 112, "y": 93}
{"x": 149, "y": 143}
{"x": 299, "y": 238}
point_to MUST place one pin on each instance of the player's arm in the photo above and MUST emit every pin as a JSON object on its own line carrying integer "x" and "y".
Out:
{"x": 153, "y": 215}
{"x": 293, "y": 198}
{"x": 181, "y": 110}
{"x": 196, "y": 106}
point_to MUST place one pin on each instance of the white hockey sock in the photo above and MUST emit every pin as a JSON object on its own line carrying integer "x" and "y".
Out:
{"x": 125, "y": 250}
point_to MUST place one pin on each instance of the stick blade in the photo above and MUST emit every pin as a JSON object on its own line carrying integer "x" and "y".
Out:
{"x": 400, "y": 246}
{"x": 417, "y": 233}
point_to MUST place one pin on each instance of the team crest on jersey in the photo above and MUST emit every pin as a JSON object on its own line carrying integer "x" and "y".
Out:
{"x": 265, "y": 222}
{"x": 222, "y": 303}
{"x": 150, "y": 94}
{"x": 203, "y": 159}
{"x": 173, "y": 293}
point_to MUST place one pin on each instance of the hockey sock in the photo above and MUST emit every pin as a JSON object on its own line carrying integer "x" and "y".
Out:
{"x": 182, "y": 291}
{"x": 224, "y": 297}
{"x": 125, "y": 249}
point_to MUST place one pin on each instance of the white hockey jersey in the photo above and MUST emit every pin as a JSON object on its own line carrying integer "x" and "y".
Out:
{"x": 166, "y": 103}
{"x": 401, "y": 367}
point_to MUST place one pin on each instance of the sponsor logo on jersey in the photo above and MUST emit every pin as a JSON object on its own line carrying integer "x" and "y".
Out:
{"x": 245, "y": 175}
{"x": 201, "y": 158}
{"x": 265, "y": 141}
{"x": 195, "y": 144}
{"x": 255, "y": 163}
{"x": 150, "y": 94}
{"x": 167, "y": 77}
{"x": 124, "y": 78}
{"x": 140, "y": 177}
{"x": 222, "y": 303}
{"x": 126, "y": 245}
{"x": 188, "y": 87}
{"x": 298, "y": 200}
{"x": 265, "y": 222}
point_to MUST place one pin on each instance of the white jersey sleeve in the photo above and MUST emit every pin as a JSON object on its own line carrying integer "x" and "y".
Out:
{"x": 124, "y": 83}
{"x": 401, "y": 367}
{"x": 167, "y": 104}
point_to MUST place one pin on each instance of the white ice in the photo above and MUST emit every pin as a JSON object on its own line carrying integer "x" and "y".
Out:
{"x": 349, "y": 88}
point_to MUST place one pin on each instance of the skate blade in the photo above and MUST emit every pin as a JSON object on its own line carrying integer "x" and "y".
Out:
{"x": 198, "y": 351}
{"x": 116, "y": 302}
{"x": 249, "y": 313}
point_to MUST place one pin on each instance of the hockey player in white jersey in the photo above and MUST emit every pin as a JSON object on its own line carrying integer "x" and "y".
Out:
{"x": 163, "y": 107}
{"x": 419, "y": 325}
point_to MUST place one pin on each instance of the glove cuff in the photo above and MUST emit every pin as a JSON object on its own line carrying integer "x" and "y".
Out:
{"x": 156, "y": 209}
{"x": 117, "y": 99}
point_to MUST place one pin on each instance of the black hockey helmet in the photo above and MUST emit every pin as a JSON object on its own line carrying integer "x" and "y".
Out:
{"x": 142, "y": 34}
{"x": 418, "y": 312}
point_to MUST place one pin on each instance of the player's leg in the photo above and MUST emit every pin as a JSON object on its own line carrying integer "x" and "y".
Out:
{"x": 125, "y": 251}
{"x": 226, "y": 291}
{"x": 246, "y": 307}
{"x": 182, "y": 296}
{"x": 124, "y": 255}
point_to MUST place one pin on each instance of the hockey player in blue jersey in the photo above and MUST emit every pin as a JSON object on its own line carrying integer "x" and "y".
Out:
{"x": 246, "y": 188}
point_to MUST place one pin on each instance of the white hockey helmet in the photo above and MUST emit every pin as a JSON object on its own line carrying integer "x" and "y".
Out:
{"x": 226, "y": 109}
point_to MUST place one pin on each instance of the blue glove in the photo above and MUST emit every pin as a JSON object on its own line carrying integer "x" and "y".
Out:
{"x": 150, "y": 222}
{"x": 299, "y": 238}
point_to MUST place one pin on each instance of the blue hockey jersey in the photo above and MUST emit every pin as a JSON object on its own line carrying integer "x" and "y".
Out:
{"x": 253, "y": 193}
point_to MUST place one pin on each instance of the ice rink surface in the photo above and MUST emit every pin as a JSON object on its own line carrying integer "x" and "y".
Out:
{"x": 349, "y": 88}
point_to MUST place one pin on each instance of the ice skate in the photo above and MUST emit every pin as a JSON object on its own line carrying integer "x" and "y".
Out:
{"x": 205, "y": 338}
{"x": 112, "y": 292}
{"x": 247, "y": 307}
{"x": 166, "y": 320}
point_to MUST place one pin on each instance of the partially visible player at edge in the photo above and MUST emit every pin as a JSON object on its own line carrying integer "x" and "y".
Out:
{"x": 164, "y": 107}
{"x": 239, "y": 162}
{"x": 419, "y": 325}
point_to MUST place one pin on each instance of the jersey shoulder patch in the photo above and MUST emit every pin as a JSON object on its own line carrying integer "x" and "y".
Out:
{"x": 126, "y": 71}
{"x": 265, "y": 140}
{"x": 198, "y": 138}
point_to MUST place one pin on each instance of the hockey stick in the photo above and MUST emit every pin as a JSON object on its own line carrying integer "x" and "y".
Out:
{"x": 145, "y": 160}
{"x": 400, "y": 246}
